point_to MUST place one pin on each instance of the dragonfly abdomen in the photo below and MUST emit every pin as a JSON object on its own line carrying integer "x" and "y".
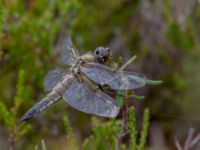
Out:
{"x": 50, "y": 99}
{"x": 53, "y": 97}
{"x": 38, "y": 107}
{"x": 56, "y": 93}
{"x": 64, "y": 85}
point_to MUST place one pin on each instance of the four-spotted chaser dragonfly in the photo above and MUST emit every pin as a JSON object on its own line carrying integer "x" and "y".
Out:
{"x": 81, "y": 87}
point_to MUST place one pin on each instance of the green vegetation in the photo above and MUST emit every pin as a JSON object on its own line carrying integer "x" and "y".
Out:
{"x": 110, "y": 134}
{"x": 9, "y": 116}
{"x": 165, "y": 38}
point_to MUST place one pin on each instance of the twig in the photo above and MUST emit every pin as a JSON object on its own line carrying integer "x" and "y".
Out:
{"x": 178, "y": 145}
{"x": 12, "y": 139}
{"x": 124, "y": 129}
{"x": 195, "y": 141}
{"x": 189, "y": 139}
{"x": 128, "y": 62}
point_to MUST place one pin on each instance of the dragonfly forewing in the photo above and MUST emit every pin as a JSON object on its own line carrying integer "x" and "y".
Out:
{"x": 89, "y": 100}
{"x": 69, "y": 54}
{"x": 118, "y": 80}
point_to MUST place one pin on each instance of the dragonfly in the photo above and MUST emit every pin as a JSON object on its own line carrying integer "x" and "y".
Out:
{"x": 82, "y": 86}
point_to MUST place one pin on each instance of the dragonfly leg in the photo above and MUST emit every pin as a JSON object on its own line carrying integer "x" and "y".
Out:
{"x": 114, "y": 66}
{"x": 101, "y": 88}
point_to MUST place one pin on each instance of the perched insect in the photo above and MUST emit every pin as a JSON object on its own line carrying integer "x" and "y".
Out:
{"x": 82, "y": 86}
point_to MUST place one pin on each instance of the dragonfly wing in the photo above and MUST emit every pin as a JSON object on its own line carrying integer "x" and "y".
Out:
{"x": 69, "y": 54}
{"x": 129, "y": 80}
{"x": 84, "y": 98}
{"x": 52, "y": 78}
{"x": 118, "y": 80}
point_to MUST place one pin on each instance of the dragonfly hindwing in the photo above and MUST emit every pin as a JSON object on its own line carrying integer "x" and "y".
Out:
{"x": 52, "y": 78}
{"x": 84, "y": 98}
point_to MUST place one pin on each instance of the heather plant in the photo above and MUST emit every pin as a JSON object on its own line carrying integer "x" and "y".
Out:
{"x": 110, "y": 135}
{"x": 10, "y": 115}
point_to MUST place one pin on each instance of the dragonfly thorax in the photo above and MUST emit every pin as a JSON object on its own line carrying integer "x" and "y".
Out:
{"x": 75, "y": 69}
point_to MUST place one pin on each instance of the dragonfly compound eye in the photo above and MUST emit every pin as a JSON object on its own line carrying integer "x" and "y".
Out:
{"x": 97, "y": 52}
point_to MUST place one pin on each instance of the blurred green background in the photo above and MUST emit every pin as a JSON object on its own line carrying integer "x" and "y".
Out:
{"x": 164, "y": 34}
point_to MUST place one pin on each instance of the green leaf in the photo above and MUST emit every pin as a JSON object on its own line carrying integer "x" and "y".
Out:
{"x": 136, "y": 97}
{"x": 67, "y": 126}
{"x": 144, "y": 132}
{"x": 132, "y": 128}
{"x": 36, "y": 147}
{"x": 120, "y": 97}
{"x": 43, "y": 145}
{"x": 153, "y": 82}
{"x": 7, "y": 117}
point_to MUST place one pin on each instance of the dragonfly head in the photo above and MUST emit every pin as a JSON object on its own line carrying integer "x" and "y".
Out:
{"x": 103, "y": 55}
